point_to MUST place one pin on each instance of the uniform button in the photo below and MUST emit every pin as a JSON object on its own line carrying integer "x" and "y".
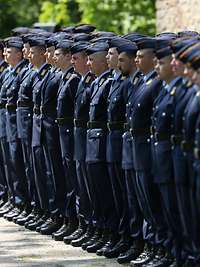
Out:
{"x": 163, "y": 114}
{"x": 98, "y": 134}
{"x": 197, "y": 130}
{"x": 156, "y": 143}
{"x": 37, "y": 91}
{"x": 183, "y": 118}
{"x": 130, "y": 118}
{"x": 156, "y": 107}
{"x": 138, "y": 104}
{"x": 67, "y": 130}
{"x": 29, "y": 114}
{"x": 148, "y": 140}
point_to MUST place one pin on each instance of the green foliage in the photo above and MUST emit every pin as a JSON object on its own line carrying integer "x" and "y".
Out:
{"x": 120, "y": 16}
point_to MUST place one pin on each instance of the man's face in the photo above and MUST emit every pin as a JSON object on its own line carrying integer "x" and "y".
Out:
{"x": 188, "y": 71}
{"x": 177, "y": 66}
{"x": 112, "y": 58}
{"x": 144, "y": 60}
{"x": 49, "y": 54}
{"x": 164, "y": 68}
{"x": 79, "y": 61}
{"x": 5, "y": 54}
{"x": 196, "y": 77}
{"x": 125, "y": 63}
{"x": 61, "y": 59}
{"x": 94, "y": 62}
{"x": 13, "y": 55}
{"x": 35, "y": 55}
{"x": 26, "y": 50}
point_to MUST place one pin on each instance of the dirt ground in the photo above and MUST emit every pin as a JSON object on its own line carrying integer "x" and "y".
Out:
{"x": 20, "y": 247}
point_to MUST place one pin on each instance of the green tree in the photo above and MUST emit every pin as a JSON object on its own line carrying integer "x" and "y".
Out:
{"x": 121, "y": 16}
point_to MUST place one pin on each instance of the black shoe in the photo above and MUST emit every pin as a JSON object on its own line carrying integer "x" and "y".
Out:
{"x": 20, "y": 216}
{"x": 160, "y": 253}
{"x": 134, "y": 251}
{"x": 42, "y": 222}
{"x": 71, "y": 228}
{"x": 189, "y": 263}
{"x": 61, "y": 233}
{"x": 84, "y": 238}
{"x": 109, "y": 245}
{"x": 121, "y": 247}
{"x": 94, "y": 238}
{"x": 33, "y": 224}
{"x": 100, "y": 242}
{"x": 76, "y": 234}
{"x": 164, "y": 262}
{"x": 6, "y": 208}
{"x": 52, "y": 227}
{"x": 145, "y": 257}
{"x": 13, "y": 213}
{"x": 2, "y": 203}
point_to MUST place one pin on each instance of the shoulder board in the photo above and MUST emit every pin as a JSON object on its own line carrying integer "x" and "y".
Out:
{"x": 68, "y": 76}
{"x": 19, "y": 69}
{"x": 172, "y": 92}
{"x": 149, "y": 82}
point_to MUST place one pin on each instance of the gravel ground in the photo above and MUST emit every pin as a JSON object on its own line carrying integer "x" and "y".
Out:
{"x": 20, "y": 247}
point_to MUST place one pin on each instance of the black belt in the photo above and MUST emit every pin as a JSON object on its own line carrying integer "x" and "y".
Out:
{"x": 176, "y": 139}
{"x": 187, "y": 146}
{"x": 196, "y": 153}
{"x": 36, "y": 110}
{"x": 24, "y": 104}
{"x": 140, "y": 132}
{"x": 80, "y": 123}
{"x": 64, "y": 120}
{"x": 115, "y": 125}
{"x": 161, "y": 136}
{"x": 2, "y": 105}
{"x": 127, "y": 127}
{"x": 11, "y": 107}
{"x": 96, "y": 124}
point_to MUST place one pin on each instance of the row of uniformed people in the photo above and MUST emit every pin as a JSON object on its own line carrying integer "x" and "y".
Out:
{"x": 111, "y": 152}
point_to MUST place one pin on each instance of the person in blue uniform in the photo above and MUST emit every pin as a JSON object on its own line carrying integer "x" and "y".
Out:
{"x": 24, "y": 128}
{"x": 100, "y": 186}
{"x": 65, "y": 112}
{"x": 81, "y": 117}
{"x": 163, "y": 165}
{"x": 48, "y": 137}
{"x": 182, "y": 96}
{"x": 147, "y": 193}
{"x": 4, "y": 189}
{"x": 18, "y": 65}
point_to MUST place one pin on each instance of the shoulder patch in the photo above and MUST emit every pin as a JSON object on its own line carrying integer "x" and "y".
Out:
{"x": 68, "y": 76}
{"x": 43, "y": 72}
{"x": 123, "y": 78}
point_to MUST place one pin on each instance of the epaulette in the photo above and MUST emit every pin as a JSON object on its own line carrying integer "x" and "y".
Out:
{"x": 101, "y": 81}
{"x": 19, "y": 69}
{"x": 68, "y": 76}
{"x": 189, "y": 84}
{"x": 172, "y": 92}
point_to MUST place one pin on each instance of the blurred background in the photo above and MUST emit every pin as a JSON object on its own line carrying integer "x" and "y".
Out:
{"x": 120, "y": 16}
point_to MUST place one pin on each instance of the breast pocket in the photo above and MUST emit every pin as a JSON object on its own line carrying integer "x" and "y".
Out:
{"x": 96, "y": 145}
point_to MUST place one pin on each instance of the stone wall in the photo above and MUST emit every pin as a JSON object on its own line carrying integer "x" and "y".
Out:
{"x": 176, "y": 15}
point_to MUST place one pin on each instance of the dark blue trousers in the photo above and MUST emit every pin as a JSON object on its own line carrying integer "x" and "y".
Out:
{"x": 39, "y": 172}
{"x": 84, "y": 195}
{"x": 20, "y": 185}
{"x": 102, "y": 197}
